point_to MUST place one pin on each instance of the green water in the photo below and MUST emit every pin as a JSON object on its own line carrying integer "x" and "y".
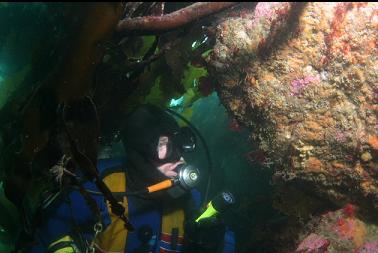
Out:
{"x": 30, "y": 38}
{"x": 232, "y": 171}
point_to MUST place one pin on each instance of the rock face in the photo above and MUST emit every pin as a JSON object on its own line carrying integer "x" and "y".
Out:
{"x": 304, "y": 79}
{"x": 340, "y": 231}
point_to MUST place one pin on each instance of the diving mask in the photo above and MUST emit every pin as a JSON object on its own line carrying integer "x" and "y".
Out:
{"x": 170, "y": 147}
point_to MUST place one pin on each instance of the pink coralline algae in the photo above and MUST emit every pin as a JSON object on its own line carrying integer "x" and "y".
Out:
{"x": 340, "y": 137}
{"x": 298, "y": 84}
{"x": 370, "y": 247}
{"x": 313, "y": 243}
{"x": 265, "y": 9}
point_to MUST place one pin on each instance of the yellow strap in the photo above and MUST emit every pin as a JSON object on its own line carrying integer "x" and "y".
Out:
{"x": 173, "y": 219}
{"x": 68, "y": 249}
{"x": 65, "y": 250}
{"x": 113, "y": 239}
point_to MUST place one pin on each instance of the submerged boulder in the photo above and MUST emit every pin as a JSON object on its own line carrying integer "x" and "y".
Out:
{"x": 304, "y": 78}
{"x": 340, "y": 231}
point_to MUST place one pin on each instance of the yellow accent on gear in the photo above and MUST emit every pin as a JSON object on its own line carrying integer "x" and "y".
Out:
{"x": 113, "y": 239}
{"x": 210, "y": 211}
{"x": 173, "y": 219}
{"x": 68, "y": 249}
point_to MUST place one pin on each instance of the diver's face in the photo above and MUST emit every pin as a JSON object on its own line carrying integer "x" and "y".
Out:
{"x": 168, "y": 169}
{"x": 162, "y": 147}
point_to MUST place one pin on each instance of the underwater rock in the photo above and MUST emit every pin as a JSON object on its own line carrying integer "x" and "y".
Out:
{"x": 313, "y": 243}
{"x": 304, "y": 78}
{"x": 340, "y": 231}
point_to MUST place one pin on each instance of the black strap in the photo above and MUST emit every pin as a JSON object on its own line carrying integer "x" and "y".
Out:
{"x": 91, "y": 172}
{"x": 174, "y": 238}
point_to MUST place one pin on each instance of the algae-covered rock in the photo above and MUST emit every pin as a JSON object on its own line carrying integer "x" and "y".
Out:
{"x": 304, "y": 79}
{"x": 340, "y": 231}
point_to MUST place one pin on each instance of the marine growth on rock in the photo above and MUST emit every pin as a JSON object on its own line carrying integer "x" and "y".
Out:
{"x": 304, "y": 78}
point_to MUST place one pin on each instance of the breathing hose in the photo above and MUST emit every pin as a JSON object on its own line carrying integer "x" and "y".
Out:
{"x": 210, "y": 164}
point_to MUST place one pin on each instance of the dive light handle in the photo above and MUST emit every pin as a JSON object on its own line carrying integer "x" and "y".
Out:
{"x": 219, "y": 204}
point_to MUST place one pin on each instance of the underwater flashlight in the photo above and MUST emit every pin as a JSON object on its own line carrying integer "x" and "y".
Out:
{"x": 187, "y": 178}
{"x": 219, "y": 204}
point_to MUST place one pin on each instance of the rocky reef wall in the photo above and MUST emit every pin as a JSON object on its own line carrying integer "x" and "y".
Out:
{"x": 303, "y": 77}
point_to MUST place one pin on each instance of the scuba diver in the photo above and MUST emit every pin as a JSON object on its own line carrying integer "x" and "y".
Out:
{"x": 86, "y": 208}
{"x": 156, "y": 187}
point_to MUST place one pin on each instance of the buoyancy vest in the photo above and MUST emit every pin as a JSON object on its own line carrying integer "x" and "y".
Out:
{"x": 67, "y": 219}
{"x": 159, "y": 230}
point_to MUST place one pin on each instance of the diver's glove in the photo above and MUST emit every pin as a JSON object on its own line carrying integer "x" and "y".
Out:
{"x": 205, "y": 236}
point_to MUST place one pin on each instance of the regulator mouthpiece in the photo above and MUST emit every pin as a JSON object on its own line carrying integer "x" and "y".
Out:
{"x": 188, "y": 176}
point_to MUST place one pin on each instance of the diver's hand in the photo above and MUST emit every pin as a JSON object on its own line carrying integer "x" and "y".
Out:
{"x": 168, "y": 168}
